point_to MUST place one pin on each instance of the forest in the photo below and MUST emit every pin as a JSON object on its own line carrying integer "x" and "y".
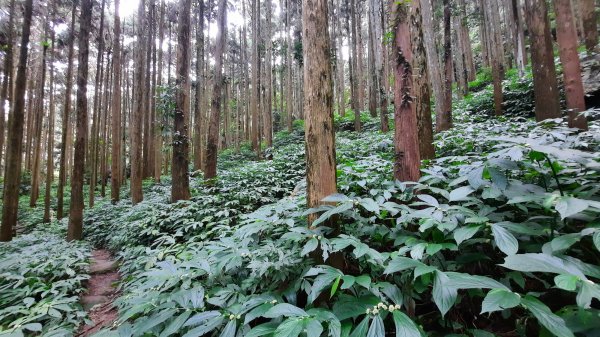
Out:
{"x": 286, "y": 168}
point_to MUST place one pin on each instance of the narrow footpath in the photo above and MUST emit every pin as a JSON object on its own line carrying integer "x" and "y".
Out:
{"x": 98, "y": 301}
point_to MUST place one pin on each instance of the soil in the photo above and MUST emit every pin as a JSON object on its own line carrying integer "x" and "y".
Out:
{"x": 98, "y": 301}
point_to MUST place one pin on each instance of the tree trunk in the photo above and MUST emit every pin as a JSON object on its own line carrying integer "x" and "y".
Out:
{"x": 268, "y": 108}
{"x": 519, "y": 36}
{"x": 180, "y": 189}
{"x": 7, "y": 83}
{"x": 407, "y": 157}
{"x": 318, "y": 104}
{"x": 62, "y": 173}
{"x": 434, "y": 67}
{"x": 38, "y": 121}
{"x": 12, "y": 177}
{"x": 75, "y": 229}
{"x": 569, "y": 57}
{"x": 50, "y": 137}
{"x": 138, "y": 106}
{"x": 198, "y": 104}
{"x": 545, "y": 85}
{"x": 115, "y": 177}
{"x": 444, "y": 120}
{"x": 255, "y": 72}
{"x": 590, "y": 24}
{"x": 158, "y": 141}
{"x": 213, "y": 127}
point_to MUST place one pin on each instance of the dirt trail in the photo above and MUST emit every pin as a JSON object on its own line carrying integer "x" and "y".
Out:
{"x": 98, "y": 301}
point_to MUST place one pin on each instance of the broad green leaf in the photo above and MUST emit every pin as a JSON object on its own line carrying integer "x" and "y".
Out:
{"x": 176, "y": 324}
{"x": 229, "y": 330}
{"x": 370, "y": 205}
{"x": 569, "y": 206}
{"x": 257, "y": 312}
{"x": 336, "y": 210}
{"x": 376, "y": 329}
{"x": 205, "y": 328}
{"x": 337, "y": 197}
{"x": 146, "y": 324}
{"x": 202, "y": 317}
{"x": 460, "y": 193}
{"x": 35, "y": 327}
{"x": 587, "y": 291}
{"x": 546, "y": 317}
{"x": 364, "y": 281}
{"x": 335, "y": 286}
{"x": 292, "y": 327}
{"x": 401, "y": 263}
{"x": 467, "y": 281}
{"x": 499, "y": 299}
{"x": 405, "y": 327}
{"x": 464, "y": 233}
{"x": 566, "y": 282}
{"x": 443, "y": 295}
{"x": 310, "y": 246}
{"x": 596, "y": 238}
{"x": 262, "y": 329}
{"x": 361, "y": 328}
{"x": 284, "y": 309}
{"x": 532, "y": 262}
{"x": 505, "y": 241}
{"x": 314, "y": 328}
{"x": 431, "y": 201}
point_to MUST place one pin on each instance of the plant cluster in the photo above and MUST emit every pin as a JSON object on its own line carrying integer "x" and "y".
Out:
{"x": 41, "y": 278}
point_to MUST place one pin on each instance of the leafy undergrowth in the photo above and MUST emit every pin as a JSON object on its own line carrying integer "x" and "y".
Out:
{"x": 41, "y": 278}
{"x": 500, "y": 237}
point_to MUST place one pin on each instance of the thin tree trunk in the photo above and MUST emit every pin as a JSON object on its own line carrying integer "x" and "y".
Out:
{"x": 268, "y": 107}
{"x": 137, "y": 114}
{"x": 213, "y": 126}
{"x": 444, "y": 120}
{"x": 198, "y": 113}
{"x": 50, "y": 137}
{"x": 75, "y": 229}
{"x": 62, "y": 173}
{"x": 7, "y": 85}
{"x": 590, "y": 24}
{"x": 115, "y": 176}
{"x": 38, "y": 120}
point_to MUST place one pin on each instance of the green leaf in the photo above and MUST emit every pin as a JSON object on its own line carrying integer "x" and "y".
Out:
{"x": 145, "y": 325}
{"x": 35, "y": 327}
{"x": 544, "y": 263}
{"x": 339, "y": 209}
{"x": 229, "y": 330}
{"x": 335, "y": 286}
{"x": 202, "y": 317}
{"x": 257, "y": 312}
{"x": 376, "y": 329}
{"x": 464, "y": 233}
{"x": 569, "y": 206}
{"x": 505, "y": 241}
{"x": 176, "y": 324}
{"x": 314, "y": 328}
{"x": 443, "y": 296}
{"x": 284, "y": 309}
{"x": 310, "y": 246}
{"x": 587, "y": 291}
{"x": 292, "y": 327}
{"x": 566, "y": 282}
{"x": 401, "y": 263}
{"x": 203, "y": 329}
{"x": 547, "y": 318}
{"x": 499, "y": 299}
{"x": 596, "y": 238}
{"x": 467, "y": 281}
{"x": 262, "y": 329}
{"x": 364, "y": 281}
{"x": 370, "y": 205}
{"x": 405, "y": 327}
{"x": 460, "y": 193}
{"x": 337, "y": 197}
{"x": 361, "y": 329}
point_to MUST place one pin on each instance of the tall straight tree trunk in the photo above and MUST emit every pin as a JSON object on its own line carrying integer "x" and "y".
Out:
{"x": 318, "y": 105}
{"x": 50, "y": 137}
{"x": 115, "y": 177}
{"x": 590, "y": 24}
{"x": 37, "y": 133}
{"x": 137, "y": 119}
{"x": 289, "y": 64}
{"x": 12, "y": 172}
{"x": 444, "y": 120}
{"x": 354, "y": 69}
{"x": 496, "y": 49}
{"x": 75, "y": 229}
{"x": 180, "y": 189}
{"x": 213, "y": 127}
{"x": 255, "y": 86}
{"x": 407, "y": 157}
{"x": 268, "y": 108}
{"x": 158, "y": 141}
{"x": 341, "y": 81}
{"x": 7, "y": 83}
{"x": 198, "y": 104}
{"x": 434, "y": 67}
{"x": 519, "y": 36}
{"x": 466, "y": 41}
{"x": 545, "y": 85}
{"x": 569, "y": 57}
{"x": 62, "y": 173}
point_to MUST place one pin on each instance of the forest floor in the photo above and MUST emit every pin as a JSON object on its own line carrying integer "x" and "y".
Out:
{"x": 98, "y": 301}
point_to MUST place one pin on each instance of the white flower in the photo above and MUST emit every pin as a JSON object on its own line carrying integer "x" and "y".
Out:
{"x": 231, "y": 317}
{"x": 375, "y": 311}
{"x": 397, "y": 306}
{"x": 368, "y": 311}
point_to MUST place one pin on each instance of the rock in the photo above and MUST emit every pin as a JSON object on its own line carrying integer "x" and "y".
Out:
{"x": 103, "y": 267}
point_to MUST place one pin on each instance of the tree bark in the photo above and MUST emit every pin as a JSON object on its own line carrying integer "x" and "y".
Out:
{"x": 545, "y": 85}
{"x": 12, "y": 172}
{"x": 115, "y": 177}
{"x": 569, "y": 57}
{"x": 590, "y": 24}
{"x": 136, "y": 124}
{"x": 213, "y": 127}
{"x": 180, "y": 189}
{"x": 444, "y": 120}
{"x": 198, "y": 104}
{"x": 407, "y": 157}
{"x": 75, "y": 229}
{"x": 318, "y": 104}
{"x": 50, "y": 134}
{"x": 7, "y": 83}
{"x": 62, "y": 173}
